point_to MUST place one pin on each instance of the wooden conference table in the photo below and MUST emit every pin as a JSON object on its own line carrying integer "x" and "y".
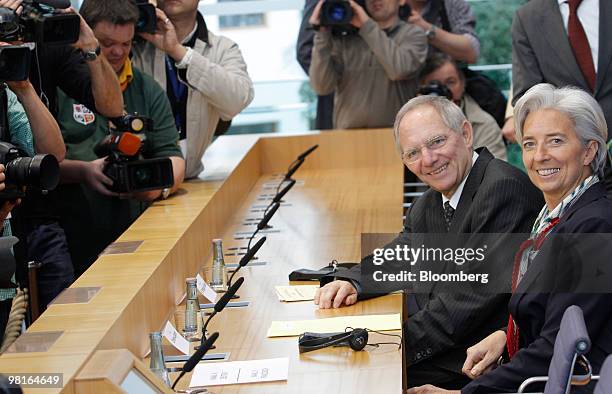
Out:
{"x": 351, "y": 185}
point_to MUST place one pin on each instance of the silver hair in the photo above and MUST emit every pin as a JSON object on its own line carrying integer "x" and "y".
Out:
{"x": 582, "y": 109}
{"x": 449, "y": 112}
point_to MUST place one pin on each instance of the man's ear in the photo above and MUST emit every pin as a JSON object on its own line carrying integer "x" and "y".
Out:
{"x": 467, "y": 133}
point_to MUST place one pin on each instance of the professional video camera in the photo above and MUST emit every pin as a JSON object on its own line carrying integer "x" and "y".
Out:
{"x": 21, "y": 171}
{"x": 147, "y": 21}
{"x": 125, "y": 166}
{"x": 14, "y": 63}
{"x": 40, "y": 22}
{"x": 436, "y": 88}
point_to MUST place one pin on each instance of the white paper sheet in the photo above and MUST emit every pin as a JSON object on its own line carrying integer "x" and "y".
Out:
{"x": 237, "y": 372}
{"x": 296, "y": 293}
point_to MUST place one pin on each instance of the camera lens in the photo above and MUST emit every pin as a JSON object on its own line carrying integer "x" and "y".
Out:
{"x": 142, "y": 176}
{"x": 338, "y": 13}
{"x": 41, "y": 171}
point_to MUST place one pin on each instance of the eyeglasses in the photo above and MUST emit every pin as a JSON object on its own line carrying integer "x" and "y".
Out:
{"x": 415, "y": 154}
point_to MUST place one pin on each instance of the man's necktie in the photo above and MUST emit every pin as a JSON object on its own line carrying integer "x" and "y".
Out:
{"x": 448, "y": 214}
{"x": 580, "y": 44}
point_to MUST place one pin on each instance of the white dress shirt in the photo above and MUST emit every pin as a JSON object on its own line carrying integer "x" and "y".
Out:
{"x": 454, "y": 200}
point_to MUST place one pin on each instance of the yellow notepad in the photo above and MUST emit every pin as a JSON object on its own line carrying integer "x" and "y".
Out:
{"x": 335, "y": 324}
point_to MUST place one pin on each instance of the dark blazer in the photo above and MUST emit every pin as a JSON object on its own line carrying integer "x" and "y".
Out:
{"x": 541, "y": 52}
{"x": 496, "y": 198}
{"x": 538, "y": 314}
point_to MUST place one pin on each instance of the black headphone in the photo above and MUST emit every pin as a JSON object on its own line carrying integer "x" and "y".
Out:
{"x": 356, "y": 338}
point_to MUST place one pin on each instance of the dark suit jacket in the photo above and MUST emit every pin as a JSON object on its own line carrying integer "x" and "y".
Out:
{"x": 496, "y": 198}
{"x": 541, "y": 53}
{"x": 538, "y": 315}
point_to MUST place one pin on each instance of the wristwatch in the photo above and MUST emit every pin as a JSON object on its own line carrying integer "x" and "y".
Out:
{"x": 431, "y": 33}
{"x": 165, "y": 193}
{"x": 92, "y": 55}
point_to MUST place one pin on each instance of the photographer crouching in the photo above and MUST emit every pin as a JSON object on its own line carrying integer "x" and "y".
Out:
{"x": 105, "y": 183}
{"x": 373, "y": 68}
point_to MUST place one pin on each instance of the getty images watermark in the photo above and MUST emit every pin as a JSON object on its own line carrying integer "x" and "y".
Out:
{"x": 483, "y": 263}
{"x": 404, "y": 254}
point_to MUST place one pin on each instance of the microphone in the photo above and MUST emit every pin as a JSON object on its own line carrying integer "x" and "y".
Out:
{"x": 62, "y": 4}
{"x": 309, "y": 151}
{"x": 196, "y": 357}
{"x": 282, "y": 193}
{"x": 221, "y": 304}
{"x": 264, "y": 222}
{"x": 293, "y": 168}
{"x": 247, "y": 257}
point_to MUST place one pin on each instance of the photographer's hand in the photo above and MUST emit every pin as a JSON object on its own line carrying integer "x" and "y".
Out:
{"x": 165, "y": 39}
{"x": 87, "y": 40}
{"x": 14, "y": 5}
{"x": 93, "y": 176}
{"x": 417, "y": 19}
{"x": 360, "y": 16}
{"x": 315, "y": 18}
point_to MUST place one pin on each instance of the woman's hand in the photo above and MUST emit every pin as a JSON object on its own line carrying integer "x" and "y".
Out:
{"x": 483, "y": 356}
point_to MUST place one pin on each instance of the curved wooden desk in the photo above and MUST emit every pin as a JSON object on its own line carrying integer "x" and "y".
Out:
{"x": 351, "y": 185}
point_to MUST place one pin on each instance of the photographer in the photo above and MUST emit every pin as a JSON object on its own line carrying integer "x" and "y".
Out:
{"x": 76, "y": 69}
{"x": 204, "y": 75}
{"x": 374, "y": 72}
{"x": 93, "y": 215}
{"x": 33, "y": 130}
{"x": 89, "y": 79}
{"x": 440, "y": 73}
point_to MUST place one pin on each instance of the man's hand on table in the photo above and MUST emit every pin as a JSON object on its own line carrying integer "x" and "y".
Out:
{"x": 335, "y": 295}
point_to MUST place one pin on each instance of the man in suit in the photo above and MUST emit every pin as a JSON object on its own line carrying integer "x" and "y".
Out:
{"x": 563, "y": 43}
{"x": 470, "y": 193}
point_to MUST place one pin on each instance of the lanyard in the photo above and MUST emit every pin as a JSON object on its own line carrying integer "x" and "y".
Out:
{"x": 178, "y": 88}
{"x": 179, "y": 91}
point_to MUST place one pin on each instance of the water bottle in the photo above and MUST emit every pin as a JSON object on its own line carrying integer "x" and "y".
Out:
{"x": 219, "y": 271}
{"x": 192, "y": 308}
{"x": 158, "y": 366}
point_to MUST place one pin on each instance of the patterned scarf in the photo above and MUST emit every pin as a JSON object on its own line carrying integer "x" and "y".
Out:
{"x": 529, "y": 249}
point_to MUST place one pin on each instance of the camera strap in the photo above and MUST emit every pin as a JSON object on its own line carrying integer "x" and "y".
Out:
{"x": 4, "y": 125}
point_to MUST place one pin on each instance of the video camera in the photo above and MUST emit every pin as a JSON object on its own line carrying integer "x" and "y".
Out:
{"x": 337, "y": 15}
{"x": 436, "y": 88}
{"x": 21, "y": 171}
{"x": 40, "y": 22}
{"x": 147, "y": 21}
{"x": 14, "y": 62}
{"x": 125, "y": 165}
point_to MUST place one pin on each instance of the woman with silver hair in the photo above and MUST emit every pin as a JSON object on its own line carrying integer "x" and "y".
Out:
{"x": 562, "y": 132}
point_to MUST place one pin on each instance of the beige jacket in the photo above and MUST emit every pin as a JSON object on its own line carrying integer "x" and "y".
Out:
{"x": 218, "y": 87}
{"x": 486, "y": 131}
{"x": 372, "y": 73}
